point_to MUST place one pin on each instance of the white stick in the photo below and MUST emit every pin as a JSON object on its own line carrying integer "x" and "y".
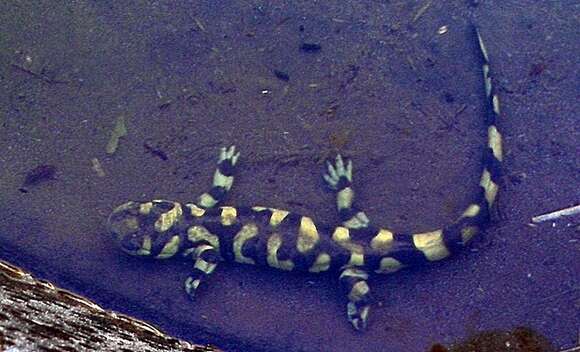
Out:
{"x": 557, "y": 214}
{"x": 573, "y": 349}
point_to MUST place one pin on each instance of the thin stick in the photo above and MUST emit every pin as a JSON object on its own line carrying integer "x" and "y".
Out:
{"x": 557, "y": 214}
{"x": 573, "y": 349}
{"x": 422, "y": 10}
{"x": 39, "y": 75}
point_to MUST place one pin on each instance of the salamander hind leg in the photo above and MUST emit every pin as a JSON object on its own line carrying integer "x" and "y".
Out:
{"x": 223, "y": 178}
{"x": 354, "y": 281}
{"x": 339, "y": 178}
{"x": 206, "y": 260}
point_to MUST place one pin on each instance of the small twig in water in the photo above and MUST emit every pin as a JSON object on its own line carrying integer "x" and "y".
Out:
{"x": 97, "y": 167}
{"x": 119, "y": 131}
{"x": 422, "y": 10}
{"x": 557, "y": 214}
{"x": 39, "y": 75}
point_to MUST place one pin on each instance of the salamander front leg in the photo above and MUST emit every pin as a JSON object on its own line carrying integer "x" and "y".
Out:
{"x": 223, "y": 178}
{"x": 206, "y": 260}
{"x": 339, "y": 179}
{"x": 354, "y": 281}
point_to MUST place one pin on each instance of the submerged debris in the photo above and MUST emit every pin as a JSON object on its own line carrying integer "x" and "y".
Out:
{"x": 40, "y": 76}
{"x": 282, "y": 75}
{"x": 39, "y": 174}
{"x": 537, "y": 69}
{"x": 310, "y": 47}
{"x": 442, "y": 30}
{"x": 97, "y": 167}
{"x": 119, "y": 131}
{"x": 199, "y": 24}
{"x": 422, "y": 10}
{"x": 155, "y": 151}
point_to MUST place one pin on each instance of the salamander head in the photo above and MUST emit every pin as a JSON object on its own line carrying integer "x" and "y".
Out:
{"x": 148, "y": 229}
{"x": 126, "y": 223}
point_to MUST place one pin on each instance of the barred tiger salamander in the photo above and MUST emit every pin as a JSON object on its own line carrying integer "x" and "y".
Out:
{"x": 208, "y": 233}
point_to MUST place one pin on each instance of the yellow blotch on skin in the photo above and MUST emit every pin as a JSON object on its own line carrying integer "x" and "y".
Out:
{"x": 357, "y": 258}
{"x": 145, "y": 247}
{"x": 487, "y": 80}
{"x": 358, "y": 291}
{"x": 247, "y": 232}
{"x": 277, "y": 217}
{"x": 207, "y": 200}
{"x": 389, "y": 265}
{"x": 482, "y": 47}
{"x": 495, "y": 101}
{"x": 274, "y": 244}
{"x": 222, "y": 180}
{"x": 170, "y": 248}
{"x": 382, "y": 241}
{"x": 471, "y": 211}
{"x": 200, "y": 233}
{"x": 131, "y": 223}
{"x": 354, "y": 272}
{"x": 494, "y": 142}
{"x": 168, "y": 219}
{"x": 192, "y": 285}
{"x": 341, "y": 234}
{"x": 431, "y": 244}
{"x": 468, "y": 232}
{"x": 195, "y": 210}
{"x": 322, "y": 263}
{"x": 307, "y": 235}
{"x": 228, "y": 216}
{"x": 145, "y": 208}
{"x": 489, "y": 186}
{"x": 356, "y": 222}
{"x": 344, "y": 198}
{"x": 202, "y": 264}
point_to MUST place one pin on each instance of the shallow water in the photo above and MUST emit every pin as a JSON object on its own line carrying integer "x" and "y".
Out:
{"x": 380, "y": 81}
